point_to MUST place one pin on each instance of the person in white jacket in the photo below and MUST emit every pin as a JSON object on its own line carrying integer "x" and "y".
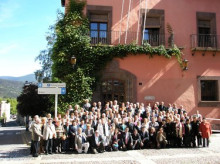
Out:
{"x": 49, "y": 134}
{"x": 103, "y": 129}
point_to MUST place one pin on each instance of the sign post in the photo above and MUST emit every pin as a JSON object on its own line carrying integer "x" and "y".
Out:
{"x": 52, "y": 89}
{"x": 56, "y": 102}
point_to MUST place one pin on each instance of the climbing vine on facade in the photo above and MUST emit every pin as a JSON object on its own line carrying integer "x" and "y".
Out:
{"x": 72, "y": 38}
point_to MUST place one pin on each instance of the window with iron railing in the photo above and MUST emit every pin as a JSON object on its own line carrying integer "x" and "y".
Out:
{"x": 98, "y": 33}
{"x": 206, "y": 34}
{"x": 153, "y": 36}
{"x": 204, "y": 38}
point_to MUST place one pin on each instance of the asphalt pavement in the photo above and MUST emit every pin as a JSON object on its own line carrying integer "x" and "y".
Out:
{"x": 14, "y": 149}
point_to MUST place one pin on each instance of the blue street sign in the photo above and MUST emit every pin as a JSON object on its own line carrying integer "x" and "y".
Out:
{"x": 51, "y": 85}
{"x": 63, "y": 91}
{"x": 39, "y": 85}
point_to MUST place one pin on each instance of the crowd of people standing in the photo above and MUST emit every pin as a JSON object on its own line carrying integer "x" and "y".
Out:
{"x": 130, "y": 126}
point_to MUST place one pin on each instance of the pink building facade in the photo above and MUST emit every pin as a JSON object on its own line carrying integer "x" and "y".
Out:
{"x": 195, "y": 30}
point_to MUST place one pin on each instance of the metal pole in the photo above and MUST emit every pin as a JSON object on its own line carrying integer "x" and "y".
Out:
{"x": 56, "y": 101}
{"x": 122, "y": 10}
{"x": 145, "y": 16}
{"x": 139, "y": 16}
{"x": 126, "y": 34}
{"x": 27, "y": 122}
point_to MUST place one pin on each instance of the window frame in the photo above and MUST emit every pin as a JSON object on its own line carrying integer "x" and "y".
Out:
{"x": 99, "y": 39}
{"x": 153, "y": 36}
{"x": 206, "y": 40}
{"x": 101, "y": 10}
{"x": 202, "y": 103}
{"x": 160, "y": 15}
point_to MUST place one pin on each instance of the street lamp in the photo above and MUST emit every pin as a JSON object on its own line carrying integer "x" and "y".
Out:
{"x": 73, "y": 61}
{"x": 185, "y": 64}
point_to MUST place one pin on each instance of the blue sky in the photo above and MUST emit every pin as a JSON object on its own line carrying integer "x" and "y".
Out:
{"x": 23, "y": 28}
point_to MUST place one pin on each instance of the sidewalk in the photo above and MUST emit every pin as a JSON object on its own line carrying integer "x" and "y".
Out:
{"x": 209, "y": 155}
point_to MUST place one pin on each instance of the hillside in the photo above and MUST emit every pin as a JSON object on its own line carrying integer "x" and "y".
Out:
{"x": 29, "y": 78}
{"x": 10, "y": 89}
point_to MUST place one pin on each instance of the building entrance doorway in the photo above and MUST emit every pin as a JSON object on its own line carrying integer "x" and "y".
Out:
{"x": 113, "y": 89}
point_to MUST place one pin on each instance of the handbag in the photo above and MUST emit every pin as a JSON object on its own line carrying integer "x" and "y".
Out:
{"x": 63, "y": 137}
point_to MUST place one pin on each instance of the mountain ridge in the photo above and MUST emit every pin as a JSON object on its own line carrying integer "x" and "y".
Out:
{"x": 29, "y": 78}
{"x": 10, "y": 88}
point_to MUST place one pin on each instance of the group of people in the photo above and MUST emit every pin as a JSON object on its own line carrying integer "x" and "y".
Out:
{"x": 113, "y": 127}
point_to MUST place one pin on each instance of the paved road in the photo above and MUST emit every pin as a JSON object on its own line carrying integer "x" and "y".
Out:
{"x": 15, "y": 151}
{"x": 11, "y": 134}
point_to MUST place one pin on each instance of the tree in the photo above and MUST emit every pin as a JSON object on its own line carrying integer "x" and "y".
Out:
{"x": 30, "y": 103}
{"x": 44, "y": 58}
{"x": 13, "y": 102}
{"x": 78, "y": 89}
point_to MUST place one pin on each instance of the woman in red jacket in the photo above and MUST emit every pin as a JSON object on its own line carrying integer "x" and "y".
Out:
{"x": 206, "y": 130}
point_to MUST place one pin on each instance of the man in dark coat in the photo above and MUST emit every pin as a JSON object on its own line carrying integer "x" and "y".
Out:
{"x": 162, "y": 107}
{"x": 188, "y": 134}
{"x": 72, "y": 133}
{"x": 144, "y": 137}
{"x": 170, "y": 130}
{"x": 195, "y": 131}
{"x": 67, "y": 134}
{"x": 127, "y": 140}
{"x": 130, "y": 125}
{"x": 97, "y": 143}
{"x": 136, "y": 140}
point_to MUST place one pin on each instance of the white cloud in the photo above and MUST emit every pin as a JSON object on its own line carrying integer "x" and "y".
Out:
{"x": 7, "y": 49}
{"x": 17, "y": 67}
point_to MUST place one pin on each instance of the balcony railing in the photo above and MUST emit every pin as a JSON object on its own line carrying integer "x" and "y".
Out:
{"x": 205, "y": 41}
{"x": 117, "y": 37}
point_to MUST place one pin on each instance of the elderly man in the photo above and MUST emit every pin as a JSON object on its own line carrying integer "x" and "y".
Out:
{"x": 36, "y": 135}
{"x": 72, "y": 131}
{"x": 97, "y": 143}
{"x": 81, "y": 143}
{"x": 127, "y": 140}
{"x": 89, "y": 133}
{"x": 87, "y": 105}
{"x": 144, "y": 137}
{"x": 31, "y": 130}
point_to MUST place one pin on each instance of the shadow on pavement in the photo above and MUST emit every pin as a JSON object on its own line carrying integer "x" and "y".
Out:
{"x": 21, "y": 152}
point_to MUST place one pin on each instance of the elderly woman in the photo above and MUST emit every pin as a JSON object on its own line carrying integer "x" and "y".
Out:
{"x": 206, "y": 131}
{"x": 48, "y": 135}
{"x": 179, "y": 132}
{"x": 42, "y": 142}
